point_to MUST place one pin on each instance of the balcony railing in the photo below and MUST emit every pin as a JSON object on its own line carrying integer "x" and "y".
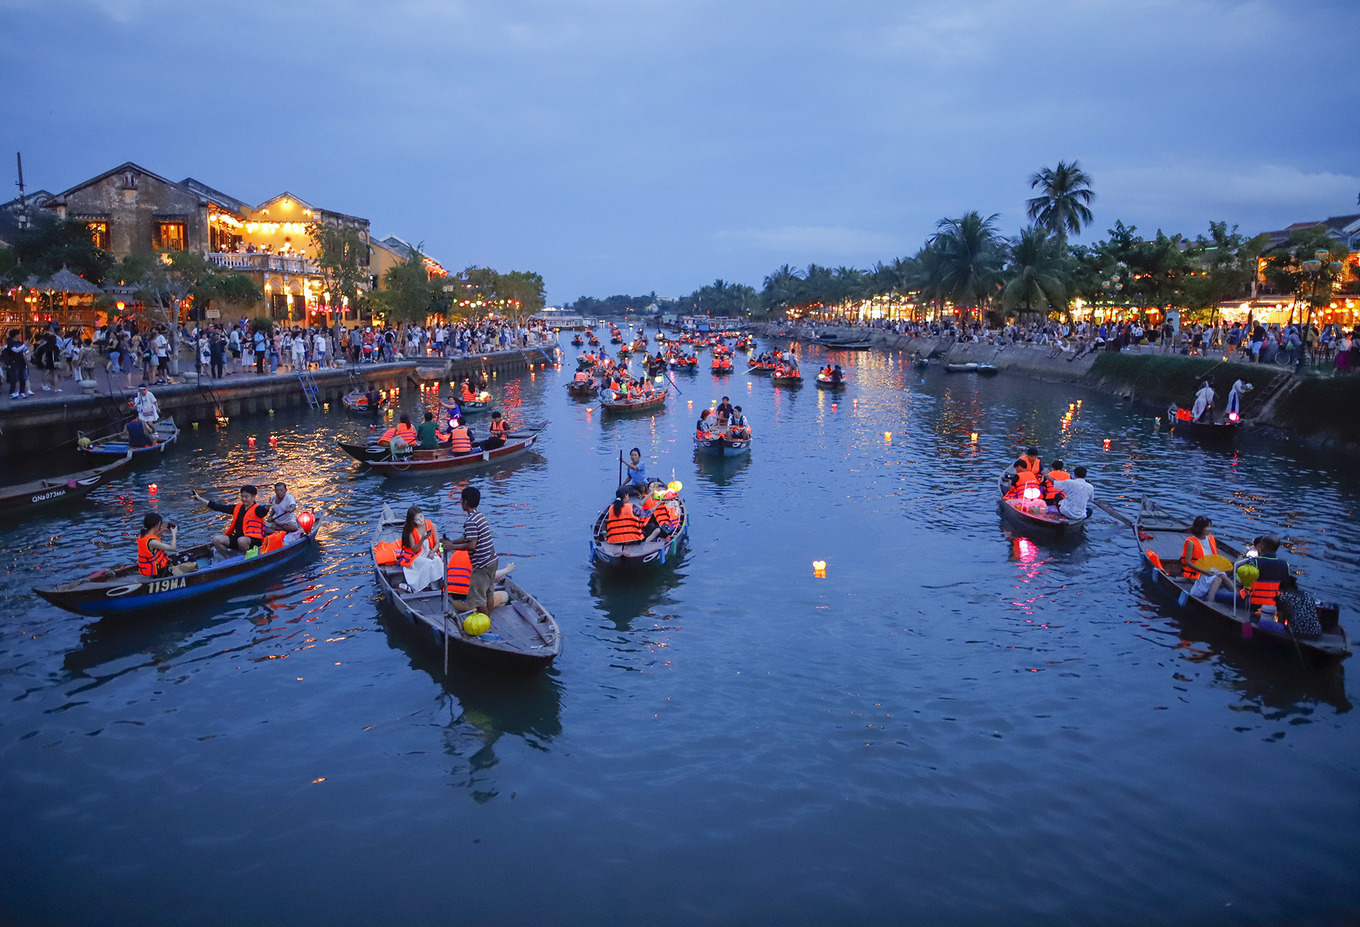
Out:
{"x": 259, "y": 262}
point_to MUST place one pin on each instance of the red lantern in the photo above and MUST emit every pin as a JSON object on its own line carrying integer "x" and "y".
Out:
{"x": 152, "y": 488}
{"x": 250, "y": 442}
{"x": 305, "y": 521}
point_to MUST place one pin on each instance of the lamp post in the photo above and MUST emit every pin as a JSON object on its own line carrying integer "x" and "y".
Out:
{"x": 1314, "y": 268}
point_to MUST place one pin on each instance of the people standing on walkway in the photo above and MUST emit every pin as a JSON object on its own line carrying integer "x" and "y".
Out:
{"x": 217, "y": 348}
{"x": 16, "y": 364}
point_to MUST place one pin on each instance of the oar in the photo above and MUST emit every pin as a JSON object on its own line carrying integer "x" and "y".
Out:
{"x": 1110, "y": 511}
{"x": 620, "y": 480}
{"x": 444, "y": 613}
{"x": 670, "y": 375}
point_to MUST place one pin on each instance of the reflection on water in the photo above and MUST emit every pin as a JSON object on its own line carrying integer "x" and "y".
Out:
{"x": 732, "y": 720}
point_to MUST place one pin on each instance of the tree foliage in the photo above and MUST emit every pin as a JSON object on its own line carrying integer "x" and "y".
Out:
{"x": 1063, "y": 203}
{"x": 342, "y": 257}
{"x": 45, "y": 248}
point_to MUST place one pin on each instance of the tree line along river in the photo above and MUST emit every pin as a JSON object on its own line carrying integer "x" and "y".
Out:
{"x": 953, "y": 725}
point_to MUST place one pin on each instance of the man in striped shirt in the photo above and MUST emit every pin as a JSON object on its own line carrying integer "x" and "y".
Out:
{"x": 476, "y": 540}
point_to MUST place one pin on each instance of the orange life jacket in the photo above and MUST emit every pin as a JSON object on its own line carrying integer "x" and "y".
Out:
{"x": 1033, "y": 463}
{"x": 1193, "y": 551}
{"x": 1059, "y": 475}
{"x": 458, "y": 577}
{"x": 150, "y": 562}
{"x": 467, "y": 394}
{"x": 406, "y": 556}
{"x": 252, "y": 525}
{"x": 1262, "y": 593}
{"x": 663, "y": 515}
{"x": 498, "y": 427}
{"x": 273, "y": 542}
{"x": 460, "y": 442}
{"x": 403, "y": 431}
{"x": 622, "y": 527}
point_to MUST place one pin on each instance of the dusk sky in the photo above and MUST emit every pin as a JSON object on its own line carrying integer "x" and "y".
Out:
{"x": 657, "y": 145}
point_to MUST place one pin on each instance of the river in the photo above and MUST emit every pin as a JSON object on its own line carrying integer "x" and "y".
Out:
{"x": 954, "y": 725}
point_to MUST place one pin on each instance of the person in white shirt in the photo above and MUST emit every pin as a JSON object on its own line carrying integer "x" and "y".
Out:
{"x": 148, "y": 409}
{"x": 320, "y": 345}
{"x": 282, "y": 510}
{"x": 161, "y": 346}
{"x": 1077, "y": 494}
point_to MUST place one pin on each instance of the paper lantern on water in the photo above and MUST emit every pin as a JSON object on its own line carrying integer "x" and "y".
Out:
{"x": 250, "y": 442}
{"x": 273, "y": 441}
{"x": 305, "y": 521}
{"x": 476, "y": 624}
{"x": 152, "y": 488}
{"x": 1247, "y": 575}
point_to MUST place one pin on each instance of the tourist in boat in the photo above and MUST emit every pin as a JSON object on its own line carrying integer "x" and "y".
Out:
{"x": 1271, "y": 570}
{"x": 282, "y": 510}
{"x": 1297, "y": 609}
{"x": 139, "y": 434}
{"x": 702, "y": 429}
{"x": 739, "y": 427}
{"x": 400, "y": 437}
{"x": 498, "y": 430}
{"x": 427, "y": 433}
{"x": 724, "y": 411}
{"x": 476, "y": 540}
{"x": 659, "y": 517}
{"x": 1031, "y": 461}
{"x": 246, "y": 527}
{"x": 622, "y": 525}
{"x": 372, "y": 399}
{"x": 634, "y": 472}
{"x": 460, "y": 438}
{"x": 1051, "y": 494}
{"x": 1019, "y": 476}
{"x": 1203, "y": 409}
{"x": 1078, "y": 494}
{"x": 153, "y": 552}
{"x": 418, "y": 556}
{"x": 1198, "y": 544}
{"x": 837, "y": 374}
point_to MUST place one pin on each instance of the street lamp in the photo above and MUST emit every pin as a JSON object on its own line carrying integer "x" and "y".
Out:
{"x": 1314, "y": 268}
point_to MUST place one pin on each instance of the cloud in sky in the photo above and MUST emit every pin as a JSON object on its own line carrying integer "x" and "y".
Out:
{"x": 657, "y": 144}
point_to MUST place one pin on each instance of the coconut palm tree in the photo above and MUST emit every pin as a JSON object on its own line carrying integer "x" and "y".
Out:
{"x": 1062, "y": 205}
{"x": 781, "y": 290}
{"x": 1037, "y": 274}
{"x": 970, "y": 259}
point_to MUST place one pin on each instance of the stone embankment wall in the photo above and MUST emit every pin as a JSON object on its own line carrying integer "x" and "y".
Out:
{"x": 45, "y": 422}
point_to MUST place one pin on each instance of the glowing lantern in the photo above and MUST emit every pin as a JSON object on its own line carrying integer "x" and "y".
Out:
{"x": 326, "y": 407}
{"x": 887, "y": 436}
{"x": 675, "y": 486}
{"x": 152, "y": 488}
{"x": 1247, "y": 575}
{"x": 819, "y": 569}
{"x": 1032, "y": 493}
{"x": 1232, "y": 417}
{"x": 305, "y": 521}
{"x": 250, "y": 442}
{"x": 477, "y": 624}
{"x": 973, "y": 437}
{"x": 273, "y": 441}
{"x": 1107, "y": 444}
{"x": 833, "y": 407}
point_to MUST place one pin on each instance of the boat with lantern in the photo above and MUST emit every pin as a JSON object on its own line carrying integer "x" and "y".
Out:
{"x": 21, "y": 498}
{"x": 359, "y": 402}
{"x": 786, "y": 378}
{"x": 1029, "y": 513}
{"x": 117, "y": 445}
{"x": 620, "y": 404}
{"x": 722, "y": 364}
{"x": 520, "y": 632}
{"x": 122, "y": 591}
{"x": 1182, "y": 422}
{"x": 480, "y": 402}
{"x": 585, "y": 388}
{"x": 830, "y": 381}
{"x": 645, "y": 553}
{"x": 1159, "y": 537}
{"x": 439, "y": 461}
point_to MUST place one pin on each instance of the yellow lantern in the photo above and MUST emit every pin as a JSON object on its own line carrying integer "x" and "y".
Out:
{"x": 477, "y": 624}
{"x": 675, "y": 486}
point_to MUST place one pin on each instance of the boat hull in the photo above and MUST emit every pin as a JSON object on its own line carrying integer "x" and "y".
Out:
{"x": 21, "y": 499}
{"x": 417, "y": 466}
{"x": 644, "y": 555}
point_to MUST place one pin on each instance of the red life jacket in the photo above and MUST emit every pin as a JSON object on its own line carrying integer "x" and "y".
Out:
{"x": 1262, "y": 593}
{"x": 622, "y": 527}
{"x": 1193, "y": 551}
{"x": 150, "y": 562}
{"x": 458, "y": 577}
{"x": 252, "y": 525}
{"x": 406, "y": 557}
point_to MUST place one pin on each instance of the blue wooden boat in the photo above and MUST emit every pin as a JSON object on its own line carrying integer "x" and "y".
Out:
{"x": 167, "y": 433}
{"x": 123, "y": 592}
{"x": 641, "y": 554}
{"x": 722, "y": 443}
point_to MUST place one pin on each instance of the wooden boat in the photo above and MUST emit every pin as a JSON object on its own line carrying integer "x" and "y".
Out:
{"x": 759, "y": 367}
{"x": 988, "y": 370}
{"x": 722, "y": 365}
{"x": 919, "y": 361}
{"x": 826, "y": 382}
{"x": 578, "y": 341}
{"x": 167, "y": 432}
{"x": 1182, "y": 423}
{"x": 1160, "y": 537}
{"x": 722, "y": 443}
{"x": 357, "y": 401}
{"x": 1032, "y": 517}
{"x": 439, "y": 462}
{"x": 22, "y": 498}
{"x": 837, "y": 343}
{"x": 969, "y": 367}
{"x": 787, "y": 380}
{"x": 122, "y": 591}
{"x": 642, "y": 553}
{"x": 583, "y": 389}
{"x": 645, "y": 404}
{"x": 585, "y": 362}
{"x": 681, "y": 362}
{"x": 523, "y": 634}
{"x": 476, "y": 405}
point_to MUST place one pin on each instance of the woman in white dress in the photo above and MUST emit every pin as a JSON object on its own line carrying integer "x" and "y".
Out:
{"x": 427, "y": 566}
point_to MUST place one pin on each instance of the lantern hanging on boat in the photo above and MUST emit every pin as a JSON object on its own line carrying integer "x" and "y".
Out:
{"x": 1247, "y": 575}
{"x": 306, "y": 520}
{"x": 1032, "y": 493}
{"x": 675, "y": 486}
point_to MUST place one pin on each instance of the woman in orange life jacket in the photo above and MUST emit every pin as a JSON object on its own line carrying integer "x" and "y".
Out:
{"x": 659, "y": 517}
{"x": 498, "y": 431}
{"x": 418, "y": 555}
{"x": 702, "y": 431}
{"x": 621, "y": 522}
{"x": 246, "y": 529}
{"x": 466, "y": 394}
{"x": 1198, "y": 544}
{"x": 402, "y": 432}
{"x": 152, "y": 551}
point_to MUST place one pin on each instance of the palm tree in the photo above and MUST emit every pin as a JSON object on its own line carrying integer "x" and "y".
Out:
{"x": 971, "y": 255}
{"x": 1037, "y": 273}
{"x": 1062, "y": 205}
{"x": 781, "y": 290}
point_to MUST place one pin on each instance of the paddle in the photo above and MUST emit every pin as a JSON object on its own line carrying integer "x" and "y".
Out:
{"x": 444, "y": 612}
{"x": 670, "y": 375}
{"x": 1110, "y": 511}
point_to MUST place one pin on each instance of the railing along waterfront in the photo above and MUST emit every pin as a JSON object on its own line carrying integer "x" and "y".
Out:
{"x": 261, "y": 263}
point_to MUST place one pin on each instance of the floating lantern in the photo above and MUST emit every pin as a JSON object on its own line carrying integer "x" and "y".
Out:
{"x": 819, "y": 569}
{"x": 973, "y": 437}
{"x": 833, "y": 407}
{"x": 1071, "y": 406}
{"x": 1107, "y": 444}
{"x": 273, "y": 441}
{"x": 887, "y": 436}
{"x": 195, "y": 425}
{"x": 151, "y": 488}
{"x": 305, "y": 521}
{"x": 1232, "y": 417}
{"x": 326, "y": 406}
{"x": 691, "y": 403}
{"x": 271, "y": 411}
{"x": 250, "y": 442}
{"x": 856, "y": 403}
